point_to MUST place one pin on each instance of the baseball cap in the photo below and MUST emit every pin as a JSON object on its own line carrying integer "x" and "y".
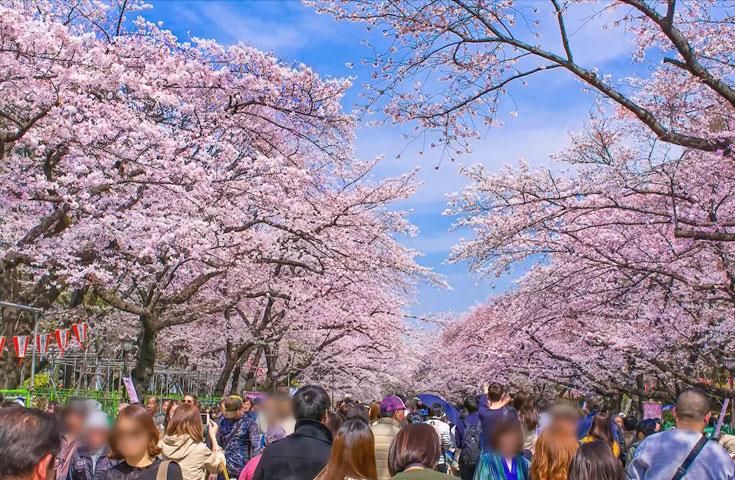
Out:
{"x": 391, "y": 404}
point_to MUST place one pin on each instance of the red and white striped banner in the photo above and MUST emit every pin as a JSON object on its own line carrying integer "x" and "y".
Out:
{"x": 62, "y": 338}
{"x": 3, "y": 340}
{"x": 80, "y": 332}
{"x": 20, "y": 343}
{"x": 43, "y": 342}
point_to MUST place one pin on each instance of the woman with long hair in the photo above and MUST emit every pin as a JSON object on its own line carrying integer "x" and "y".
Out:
{"x": 134, "y": 439}
{"x": 601, "y": 429}
{"x": 184, "y": 443}
{"x": 505, "y": 460}
{"x": 555, "y": 449}
{"x": 170, "y": 409}
{"x": 414, "y": 453}
{"x": 595, "y": 460}
{"x": 353, "y": 454}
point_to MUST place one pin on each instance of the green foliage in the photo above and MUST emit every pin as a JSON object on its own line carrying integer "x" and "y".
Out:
{"x": 42, "y": 381}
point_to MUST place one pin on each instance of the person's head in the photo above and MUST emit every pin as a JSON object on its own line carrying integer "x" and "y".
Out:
{"x": 247, "y": 405}
{"x": 436, "y": 410}
{"x": 553, "y": 454}
{"x": 311, "y": 402}
{"x": 595, "y": 460}
{"x": 172, "y": 406}
{"x": 393, "y": 407}
{"x": 96, "y": 430}
{"x": 692, "y": 409}
{"x": 233, "y": 407}
{"x": 507, "y": 438}
{"x": 593, "y": 403}
{"x": 601, "y": 428}
{"x": 30, "y": 441}
{"x": 134, "y": 434}
{"x": 495, "y": 392}
{"x": 470, "y": 403}
{"x": 645, "y": 428}
{"x": 186, "y": 420}
{"x": 333, "y": 422}
{"x": 620, "y": 421}
{"x": 374, "y": 412}
{"x": 72, "y": 418}
{"x": 416, "y": 444}
{"x": 527, "y": 412}
{"x": 564, "y": 417}
{"x": 190, "y": 399}
{"x": 53, "y": 407}
{"x": 151, "y": 404}
{"x": 630, "y": 423}
{"x": 353, "y": 453}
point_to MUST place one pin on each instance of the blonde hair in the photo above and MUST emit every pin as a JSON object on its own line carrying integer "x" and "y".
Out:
{"x": 186, "y": 420}
{"x": 553, "y": 454}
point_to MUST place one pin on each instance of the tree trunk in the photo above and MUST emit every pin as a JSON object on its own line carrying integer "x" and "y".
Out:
{"x": 233, "y": 358}
{"x": 236, "y": 377}
{"x": 146, "y": 357}
{"x": 251, "y": 382}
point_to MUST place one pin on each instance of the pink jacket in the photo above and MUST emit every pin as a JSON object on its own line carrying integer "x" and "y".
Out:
{"x": 249, "y": 470}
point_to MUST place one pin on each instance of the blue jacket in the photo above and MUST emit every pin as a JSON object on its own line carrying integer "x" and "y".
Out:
{"x": 83, "y": 467}
{"x": 240, "y": 444}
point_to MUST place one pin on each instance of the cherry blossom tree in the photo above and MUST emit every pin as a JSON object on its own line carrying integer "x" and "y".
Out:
{"x": 174, "y": 181}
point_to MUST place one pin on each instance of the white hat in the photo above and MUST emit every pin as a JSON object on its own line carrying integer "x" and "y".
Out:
{"x": 96, "y": 420}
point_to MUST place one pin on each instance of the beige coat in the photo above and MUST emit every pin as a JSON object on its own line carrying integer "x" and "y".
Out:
{"x": 196, "y": 460}
{"x": 384, "y": 430}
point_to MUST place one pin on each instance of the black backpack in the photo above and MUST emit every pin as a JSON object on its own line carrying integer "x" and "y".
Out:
{"x": 471, "y": 445}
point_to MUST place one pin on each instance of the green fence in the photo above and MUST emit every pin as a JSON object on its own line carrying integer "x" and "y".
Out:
{"x": 41, "y": 397}
{"x": 108, "y": 400}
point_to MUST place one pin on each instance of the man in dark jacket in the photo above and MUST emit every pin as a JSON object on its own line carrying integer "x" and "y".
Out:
{"x": 304, "y": 453}
{"x": 91, "y": 459}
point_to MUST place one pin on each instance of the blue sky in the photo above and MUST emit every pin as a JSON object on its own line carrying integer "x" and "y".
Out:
{"x": 548, "y": 108}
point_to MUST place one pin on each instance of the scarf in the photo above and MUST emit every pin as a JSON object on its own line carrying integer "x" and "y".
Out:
{"x": 492, "y": 467}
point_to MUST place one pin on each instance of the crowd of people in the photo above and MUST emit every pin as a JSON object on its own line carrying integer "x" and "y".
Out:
{"x": 279, "y": 437}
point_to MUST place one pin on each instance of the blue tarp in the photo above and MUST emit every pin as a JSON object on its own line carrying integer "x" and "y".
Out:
{"x": 429, "y": 399}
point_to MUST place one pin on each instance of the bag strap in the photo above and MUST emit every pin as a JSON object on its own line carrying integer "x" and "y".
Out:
{"x": 682, "y": 470}
{"x": 162, "y": 473}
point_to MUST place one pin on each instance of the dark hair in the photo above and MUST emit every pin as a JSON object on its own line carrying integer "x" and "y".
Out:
{"x": 436, "y": 410}
{"x": 601, "y": 429}
{"x": 353, "y": 453}
{"x": 140, "y": 415}
{"x": 647, "y": 427}
{"x": 495, "y": 392}
{"x": 311, "y": 402}
{"x": 415, "y": 444}
{"x": 527, "y": 411}
{"x": 26, "y": 436}
{"x": 630, "y": 423}
{"x": 470, "y": 403}
{"x": 334, "y": 422}
{"x": 595, "y": 460}
{"x": 507, "y": 427}
{"x": 692, "y": 404}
